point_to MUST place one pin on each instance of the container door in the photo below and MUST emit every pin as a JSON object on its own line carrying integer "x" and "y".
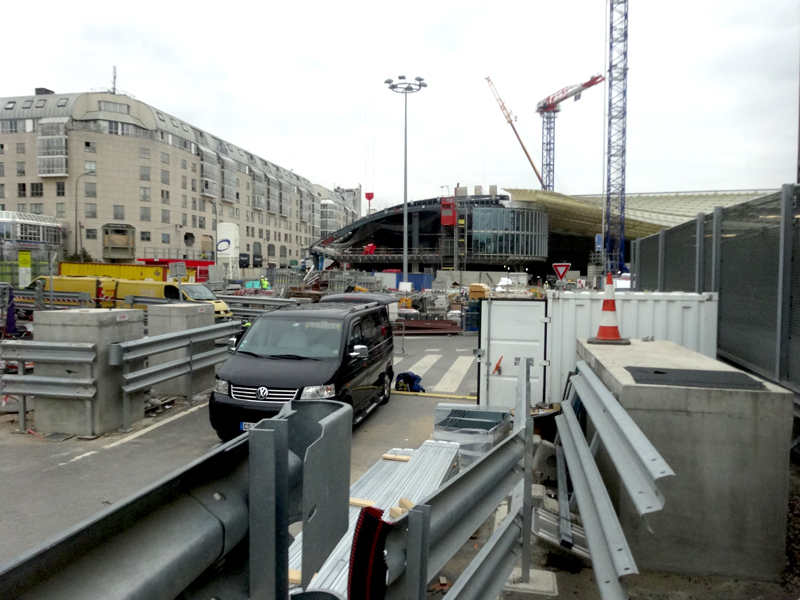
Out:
{"x": 511, "y": 330}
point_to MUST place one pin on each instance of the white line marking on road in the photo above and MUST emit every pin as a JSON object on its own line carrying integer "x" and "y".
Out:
{"x": 432, "y": 350}
{"x": 80, "y": 456}
{"x": 133, "y": 436}
{"x": 397, "y": 359}
{"x": 421, "y": 367}
{"x": 463, "y": 349}
{"x": 455, "y": 375}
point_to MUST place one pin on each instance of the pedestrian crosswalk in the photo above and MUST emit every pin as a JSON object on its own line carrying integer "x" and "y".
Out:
{"x": 441, "y": 373}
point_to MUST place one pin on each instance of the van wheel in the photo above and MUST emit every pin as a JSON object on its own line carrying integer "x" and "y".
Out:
{"x": 387, "y": 387}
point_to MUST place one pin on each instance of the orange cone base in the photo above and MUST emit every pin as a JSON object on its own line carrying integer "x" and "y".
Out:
{"x": 619, "y": 342}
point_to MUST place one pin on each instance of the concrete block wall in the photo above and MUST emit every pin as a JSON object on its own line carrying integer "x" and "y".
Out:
{"x": 101, "y": 327}
{"x": 726, "y": 507}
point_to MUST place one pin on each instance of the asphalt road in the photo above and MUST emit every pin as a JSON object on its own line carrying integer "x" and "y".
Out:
{"x": 47, "y": 487}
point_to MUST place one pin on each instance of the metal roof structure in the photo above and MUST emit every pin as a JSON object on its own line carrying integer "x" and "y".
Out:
{"x": 645, "y": 214}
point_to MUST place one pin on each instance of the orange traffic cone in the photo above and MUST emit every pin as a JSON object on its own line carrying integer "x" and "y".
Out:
{"x": 608, "y": 332}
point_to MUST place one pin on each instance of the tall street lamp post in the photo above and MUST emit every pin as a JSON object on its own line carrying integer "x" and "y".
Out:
{"x": 405, "y": 87}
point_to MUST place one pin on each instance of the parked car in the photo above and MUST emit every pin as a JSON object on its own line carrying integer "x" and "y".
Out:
{"x": 340, "y": 349}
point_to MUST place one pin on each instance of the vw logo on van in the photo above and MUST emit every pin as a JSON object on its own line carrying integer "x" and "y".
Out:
{"x": 262, "y": 393}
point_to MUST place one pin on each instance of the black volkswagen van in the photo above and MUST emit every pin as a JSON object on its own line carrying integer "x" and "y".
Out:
{"x": 340, "y": 349}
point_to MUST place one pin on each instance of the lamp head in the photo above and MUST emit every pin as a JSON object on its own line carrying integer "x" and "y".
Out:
{"x": 388, "y": 82}
{"x": 401, "y": 77}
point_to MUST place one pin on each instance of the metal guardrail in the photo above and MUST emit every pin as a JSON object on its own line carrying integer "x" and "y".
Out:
{"x": 428, "y": 536}
{"x": 252, "y": 307}
{"x": 637, "y": 462}
{"x": 126, "y": 354}
{"x": 68, "y": 388}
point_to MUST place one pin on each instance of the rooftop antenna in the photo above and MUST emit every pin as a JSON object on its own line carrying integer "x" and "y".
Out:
{"x": 114, "y": 82}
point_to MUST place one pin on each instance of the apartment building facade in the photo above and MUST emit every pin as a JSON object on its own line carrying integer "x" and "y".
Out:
{"x": 128, "y": 181}
{"x": 336, "y": 209}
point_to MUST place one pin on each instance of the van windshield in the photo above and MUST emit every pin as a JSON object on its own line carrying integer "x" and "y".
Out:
{"x": 196, "y": 291}
{"x": 296, "y": 337}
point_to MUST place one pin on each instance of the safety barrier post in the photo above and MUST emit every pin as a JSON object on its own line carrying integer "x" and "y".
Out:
{"x": 23, "y": 403}
{"x": 662, "y": 260}
{"x": 716, "y": 250}
{"x": 419, "y": 525}
{"x": 784, "y": 283}
{"x": 699, "y": 246}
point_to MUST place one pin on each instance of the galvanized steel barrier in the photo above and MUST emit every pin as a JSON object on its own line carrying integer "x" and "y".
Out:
{"x": 422, "y": 541}
{"x": 124, "y": 354}
{"x": 252, "y": 307}
{"x": 68, "y": 388}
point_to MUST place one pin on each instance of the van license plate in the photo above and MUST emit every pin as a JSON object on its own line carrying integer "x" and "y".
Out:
{"x": 246, "y": 426}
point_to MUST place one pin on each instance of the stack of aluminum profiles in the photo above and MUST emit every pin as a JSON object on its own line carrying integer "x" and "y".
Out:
{"x": 385, "y": 483}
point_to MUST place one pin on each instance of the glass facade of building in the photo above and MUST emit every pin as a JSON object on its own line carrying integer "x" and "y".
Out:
{"x": 508, "y": 233}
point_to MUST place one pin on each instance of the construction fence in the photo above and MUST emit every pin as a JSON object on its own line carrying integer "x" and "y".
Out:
{"x": 750, "y": 255}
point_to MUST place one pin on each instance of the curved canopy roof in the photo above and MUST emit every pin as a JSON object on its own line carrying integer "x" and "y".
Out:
{"x": 645, "y": 214}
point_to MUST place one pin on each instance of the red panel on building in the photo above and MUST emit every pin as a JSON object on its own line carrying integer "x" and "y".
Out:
{"x": 448, "y": 212}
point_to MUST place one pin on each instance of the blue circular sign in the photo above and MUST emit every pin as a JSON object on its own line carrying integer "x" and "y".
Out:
{"x": 223, "y": 245}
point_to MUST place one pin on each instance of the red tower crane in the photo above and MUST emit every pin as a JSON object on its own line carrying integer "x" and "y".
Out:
{"x": 511, "y": 118}
{"x": 548, "y": 110}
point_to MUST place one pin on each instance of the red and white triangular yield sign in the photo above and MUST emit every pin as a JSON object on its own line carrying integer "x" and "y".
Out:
{"x": 561, "y": 269}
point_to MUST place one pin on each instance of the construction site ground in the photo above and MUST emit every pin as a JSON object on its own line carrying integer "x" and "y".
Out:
{"x": 49, "y": 486}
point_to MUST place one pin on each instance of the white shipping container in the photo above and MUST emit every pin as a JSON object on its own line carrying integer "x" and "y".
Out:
{"x": 687, "y": 319}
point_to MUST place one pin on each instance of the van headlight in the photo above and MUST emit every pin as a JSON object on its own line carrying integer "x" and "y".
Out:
{"x": 221, "y": 386}
{"x": 317, "y": 392}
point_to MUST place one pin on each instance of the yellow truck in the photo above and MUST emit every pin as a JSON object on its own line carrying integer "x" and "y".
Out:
{"x": 120, "y": 271}
{"x": 109, "y": 292}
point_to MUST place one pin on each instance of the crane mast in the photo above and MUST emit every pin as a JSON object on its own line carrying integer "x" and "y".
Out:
{"x": 548, "y": 109}
{"x": 614, "y": 218}
{"x": 511, "y": 118}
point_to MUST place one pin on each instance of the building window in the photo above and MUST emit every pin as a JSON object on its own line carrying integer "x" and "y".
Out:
{"x": 22, "y": 208}
{"x": 20, "y": 147}
{"x": 61, "y": 188}
{"x": 183, "y": 163}
{"x": 20, "y": 169}
{"x": 91, "y": 234}
{"x": 183, "y": 182}
{"x": 165, "y": 216}
{"x": 36, "y": 190}
{"x": 144, "y": 213}
{"x": 144, "y": 153}
{"x": 2, "y": 148}
{"x": 183, "y": 219}
{"x": 164, "y": 177}
{"x": 21, "y": 191}
{"x": 91, "y": 167}
{"x": 194, "y": 203}
{"x": 115, "y": 107}
{"x": 160, "y": 116}
{"x": 2, "y": 169}
{"x": 194, "y": 220}
{"x": 201, "y": 205}
{"x": 119, "y": 212}
{"x": 91, "y": 189}
{"x": 194, "y": 185}
{"x": 2, "y": 190}
{"x": 183, "y": 201}
{"x": 165, "y": 158}
{"x": 61, "y": 210}
{"x": 231, "y": 212}
{"x": 91, "y": 210}
{"x": 214, "y": 224}
{"x": 144, "y": 173}
{"x": 194, "y": 167}
{"x": 62, "y": 103}
{"x": 89, "y": 147}
{"x": 144, "y": 236}
{"x": 144, "y": 194}
{"x": 164, "y": 196}
{"x": 37, "y": 208}
{"x": 165, "y": 238}
{"x": 201, "y": 222}
{"x": 238, "y": 214}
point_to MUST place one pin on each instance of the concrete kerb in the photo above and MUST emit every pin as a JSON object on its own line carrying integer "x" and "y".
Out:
{"x": 427, "y": 395}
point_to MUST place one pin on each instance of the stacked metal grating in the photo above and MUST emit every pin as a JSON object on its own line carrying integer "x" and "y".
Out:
{"x": 385, "y": 483}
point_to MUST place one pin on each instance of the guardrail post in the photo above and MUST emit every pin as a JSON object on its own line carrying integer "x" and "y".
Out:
{"x": 419, "y": 524}
{"x": 784, "y": 283}
{"x": 527, "y": 501}
{"x": 23, "y": 403}
{"x": 189, "y": 378}
{"x": 126, "y": 401}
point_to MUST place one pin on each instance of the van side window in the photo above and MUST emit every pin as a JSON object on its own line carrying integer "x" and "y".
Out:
{"x": 370, "y": 330}
{"x": 171, "y": 292}
{"x": 355, "y": 335}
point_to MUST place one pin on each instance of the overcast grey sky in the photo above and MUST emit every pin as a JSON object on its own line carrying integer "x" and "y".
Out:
{"x": 712, "y": 86}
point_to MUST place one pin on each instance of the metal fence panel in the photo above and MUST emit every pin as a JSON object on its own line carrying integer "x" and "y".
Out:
{"x": 648, "y": 272}
{"x": 749, "y": 283}
{"x": 680, "y": 258}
